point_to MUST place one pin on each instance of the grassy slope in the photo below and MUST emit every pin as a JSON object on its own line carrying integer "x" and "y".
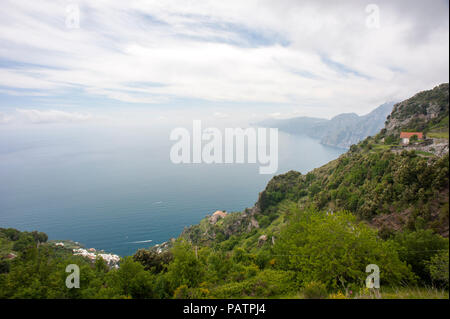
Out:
{"x": 439, "y": 130}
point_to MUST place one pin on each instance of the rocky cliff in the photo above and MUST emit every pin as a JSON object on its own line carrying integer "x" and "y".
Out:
{"x": 421, "y": 113}
{"x": 341, "y": 131}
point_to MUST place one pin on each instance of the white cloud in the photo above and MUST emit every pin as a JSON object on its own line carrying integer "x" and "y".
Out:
{"x": 5, "y": 118}
{"x": 221, "y": 115}
{"x": 52, "y": 116}
{"x": 234, "y": 51}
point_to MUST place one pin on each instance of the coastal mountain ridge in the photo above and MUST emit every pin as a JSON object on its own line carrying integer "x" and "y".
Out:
{"x": 342, "y": 130}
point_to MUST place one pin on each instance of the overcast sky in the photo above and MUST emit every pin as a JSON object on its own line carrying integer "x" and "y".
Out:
{"x": 222, "y": 59}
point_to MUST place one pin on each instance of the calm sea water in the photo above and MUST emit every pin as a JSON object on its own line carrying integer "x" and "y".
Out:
{"x": 114, "y": 187}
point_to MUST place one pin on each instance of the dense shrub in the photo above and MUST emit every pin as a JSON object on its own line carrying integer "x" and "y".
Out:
{"x": 417, "y": 248}
{"x": 315, "y": 290}
{"x": 266, "y": 283}
{"x": 335, "y": 249}
{"x": 186, "y": 268}
{"x": 438, "y": 267}
{"x": 153, "y": 261}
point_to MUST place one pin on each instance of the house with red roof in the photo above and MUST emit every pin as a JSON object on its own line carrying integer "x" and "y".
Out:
{"x": 406, "y": 136}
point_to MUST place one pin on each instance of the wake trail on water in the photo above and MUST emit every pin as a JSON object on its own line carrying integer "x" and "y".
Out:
{"x": 140, "y": 241}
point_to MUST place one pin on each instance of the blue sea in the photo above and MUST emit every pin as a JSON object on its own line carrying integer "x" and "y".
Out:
{"x": 115, "y": 188}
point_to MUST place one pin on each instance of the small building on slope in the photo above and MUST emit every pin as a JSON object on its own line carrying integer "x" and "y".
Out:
{"x": 406, "y": 136}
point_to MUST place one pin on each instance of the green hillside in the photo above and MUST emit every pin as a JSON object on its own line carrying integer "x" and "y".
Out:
{"x": 308, "y": 236}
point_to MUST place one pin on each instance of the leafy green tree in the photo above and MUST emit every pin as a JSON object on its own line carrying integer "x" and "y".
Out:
{"x": 100, "y": 265}
{"x": 219, "y": 266}
{"x": 4, "y": 266}
{"x": 11, "y": 233}
{"x": 131, "y": 280}
{"x": 418, "y": 247}
{"x": 333, "y": 248}
{"x": 153, "y": 261}
{"x": 25, "y": 241}
{"x": 439, "y": 268}
{"x": 39, "y": 236}
{"x": 185, "y": 269}
{"x": 162, "y": 286}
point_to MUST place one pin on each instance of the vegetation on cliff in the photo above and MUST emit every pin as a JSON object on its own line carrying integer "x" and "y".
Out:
{"x": 307, "y": 236}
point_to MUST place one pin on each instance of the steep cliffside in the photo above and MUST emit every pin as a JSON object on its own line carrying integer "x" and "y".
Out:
{"x": 420, "y": 112}
{"x": 341, "y": 131}
{"x": 390, "y": 188}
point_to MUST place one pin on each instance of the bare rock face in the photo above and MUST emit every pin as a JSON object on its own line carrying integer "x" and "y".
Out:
{"x": 216, "y": 216}
{"x": 438, "y": 148}
{"x": 11, "y": 256}
{"x": 423, "y": 112}
{"x": 253, "y": 210}
{"x": 435, "y": 146}
{"x": 341, "y": 131}
{"x": 262, "y": 239}
{"x": 417, "y": 111}
{"x": 253, "y": 224}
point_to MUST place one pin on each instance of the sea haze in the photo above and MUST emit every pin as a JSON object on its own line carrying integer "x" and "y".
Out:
{"x": 115, "y": 188}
